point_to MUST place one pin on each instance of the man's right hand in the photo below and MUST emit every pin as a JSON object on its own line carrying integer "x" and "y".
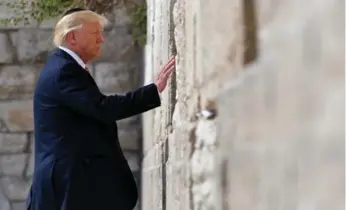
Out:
{"x": 163, "y": 76}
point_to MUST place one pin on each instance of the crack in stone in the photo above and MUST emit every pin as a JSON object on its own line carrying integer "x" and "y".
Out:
{"x": 27, "y": 151}
{"x": 3, "y": 126}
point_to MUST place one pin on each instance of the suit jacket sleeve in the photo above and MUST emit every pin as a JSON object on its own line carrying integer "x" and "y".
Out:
{"x": 78, "y": 91}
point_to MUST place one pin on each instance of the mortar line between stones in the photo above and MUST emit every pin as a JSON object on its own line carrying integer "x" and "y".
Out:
{"x": 13, "y": 48}
{"x": 14, "y": 132}
{"x": 192, "y": 138}
{"x": 250, "y": 31}
{"x": 11, "y": 153}
{"x": 27, "y": 151}
{"x": 2, "y": 190}
{"x": 163, "y": 178}
{"x": 28, "y": 143}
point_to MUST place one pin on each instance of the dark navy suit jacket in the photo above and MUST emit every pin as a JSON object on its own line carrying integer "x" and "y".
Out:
{"x": 79, "y": 164}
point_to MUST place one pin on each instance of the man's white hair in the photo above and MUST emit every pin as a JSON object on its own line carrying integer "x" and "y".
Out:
{"x": 75, "y": 21}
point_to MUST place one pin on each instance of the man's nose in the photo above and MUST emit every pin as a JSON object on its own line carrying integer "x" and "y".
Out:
{"x": 100, "y": 39}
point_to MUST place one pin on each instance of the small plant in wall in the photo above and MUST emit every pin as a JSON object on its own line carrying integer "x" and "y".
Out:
{"x": 25, "y": 11}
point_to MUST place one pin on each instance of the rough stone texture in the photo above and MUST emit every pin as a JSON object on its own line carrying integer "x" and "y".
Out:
{"x": 253, "y": 118}
{"x": 290, "y": 155}
{"x": 6, "y": 54}
{"x": 133, "y": 160}
{"x": 169, "y": 130}
{"x": 129, "y": 138}
{"x": 18, "y": 205}
{"x": 18, "y": 81}
{"x": 15, "y": 188}
{"x": 32, "y": 45}
{"x": 119, "y": 44}
{"x": 30, "y": 167}
{"x": 12, "y": 143}
{"x": 16, "y": 116}
{"x": 4, "y": 203}
{"x": 23, "y": 51}
{"x": 13, "y": 164}
{"x": 113, "y": 77}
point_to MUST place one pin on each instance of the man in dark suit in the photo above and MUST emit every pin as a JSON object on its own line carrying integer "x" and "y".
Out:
{"x": 79, "y": 164}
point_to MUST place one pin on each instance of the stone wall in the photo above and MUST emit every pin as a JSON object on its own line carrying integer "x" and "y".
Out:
{"x": 254, "y": 116}
{"x": 23, "y": 49}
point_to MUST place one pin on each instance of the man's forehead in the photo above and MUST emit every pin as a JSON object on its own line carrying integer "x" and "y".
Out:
{"x": 92, "y": 25}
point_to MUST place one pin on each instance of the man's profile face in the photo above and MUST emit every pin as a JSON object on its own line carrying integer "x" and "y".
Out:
{"x": 89, "y": 39}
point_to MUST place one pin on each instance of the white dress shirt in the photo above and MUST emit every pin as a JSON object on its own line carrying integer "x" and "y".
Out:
{"x": 74, "y": 55}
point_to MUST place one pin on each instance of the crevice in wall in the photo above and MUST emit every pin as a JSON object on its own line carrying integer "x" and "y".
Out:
{"x": 224, "y": 184}
{"x": 250, "y": 31}
{"x": 172, "y": 86}
{"x": 3, "y": 126}
{"x": 172, "y": 100}
{"x": 172, "y": 51}
{"x": 27, "y": 151}
{"x": 12, "y": 48}
{"x": 164, "y": 153}
{"x": 192, "y": 139}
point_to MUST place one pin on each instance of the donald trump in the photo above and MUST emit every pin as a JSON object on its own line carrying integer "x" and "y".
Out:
{"x": 79, "y": 164}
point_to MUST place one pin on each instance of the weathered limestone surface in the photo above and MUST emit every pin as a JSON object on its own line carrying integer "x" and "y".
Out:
{"x": 18, "y": 81}
{"x": 286, "y": 146}
{"x": 23, "y": 51}
{"x": 274, "y": 73}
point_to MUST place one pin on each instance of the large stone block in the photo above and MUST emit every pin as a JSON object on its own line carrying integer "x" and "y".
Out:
{"x": 178, "y": 194}
{"x": 18, "y": 81}
{"x": 114, "y": 77}
{"x": 203, "y": 165}
{"x": 32, "y": 45}
{"x": 6, "y": 50}
{"x": 219, "y": 49}
{"x": 18, "y": 205}
{"x": 144, "y": 188}
{"x": 153, "y": 198}
{"x": 147, "y": 131}
{"x": 133, "y": 160}
{"x": 4, "y": 203}
{"x": 285, "y": 139}
{"x": 16, "y": 116}
{"x": 15, "y": 188}
{"x": 117, "y": 46}
{"x": 152, "y": 160}
{"x": 179, "y": 181}
{"x": 13, "y": 164}
{"x": 129, "y": 138}
{"x": 12, "y": 143}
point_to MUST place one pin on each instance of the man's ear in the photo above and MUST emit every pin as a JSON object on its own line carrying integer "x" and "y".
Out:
{"x": 71, "y": 38}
